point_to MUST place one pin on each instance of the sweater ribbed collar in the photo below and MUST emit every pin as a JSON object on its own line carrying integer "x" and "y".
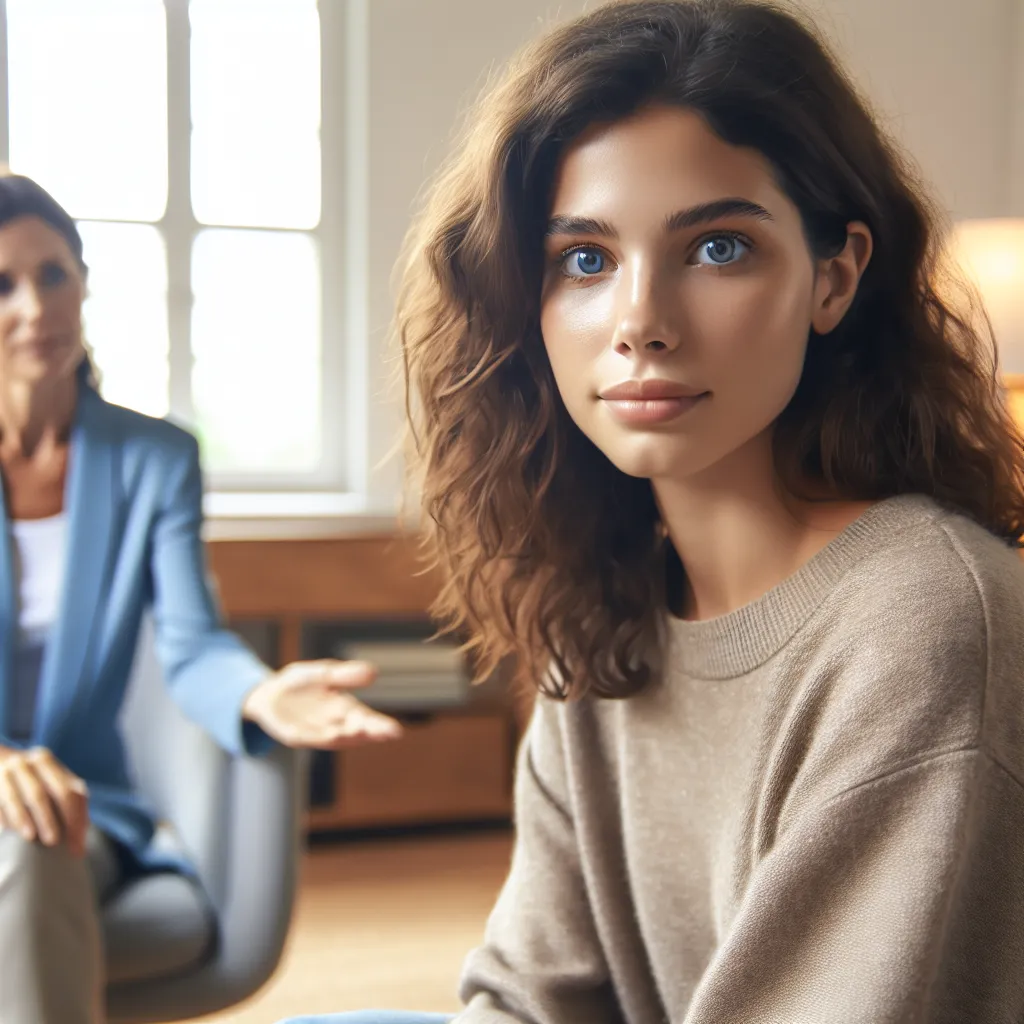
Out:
{"x": 737, "y": 643}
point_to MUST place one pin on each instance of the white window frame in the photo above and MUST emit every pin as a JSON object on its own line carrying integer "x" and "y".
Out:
{"x": 340, "y": 486}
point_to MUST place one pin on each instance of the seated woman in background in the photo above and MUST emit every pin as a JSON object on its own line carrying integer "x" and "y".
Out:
{"x": 101, "y": 515}
{"x": 709, "y": 450}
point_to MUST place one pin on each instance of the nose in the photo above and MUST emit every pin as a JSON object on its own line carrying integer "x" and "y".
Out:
{"x": 30, "y": 303}
{"x": 644, "y": 320}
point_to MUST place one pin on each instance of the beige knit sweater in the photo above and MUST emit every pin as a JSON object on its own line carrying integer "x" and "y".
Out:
{"x": 816, "y": 817}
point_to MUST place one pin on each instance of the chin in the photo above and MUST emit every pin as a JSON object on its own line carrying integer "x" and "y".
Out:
{"x": 40, "y": 371}
{"x": 653, "y": 456}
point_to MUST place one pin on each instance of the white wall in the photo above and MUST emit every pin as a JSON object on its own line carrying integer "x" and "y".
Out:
{"x": 428, "y": 59}
{"x": 1016, "y": 113}
{"x": 943, "y": 73}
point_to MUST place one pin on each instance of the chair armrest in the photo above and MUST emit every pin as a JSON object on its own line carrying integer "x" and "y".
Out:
{"x": 254, "y": 893}
{"x": 252, "y": 888}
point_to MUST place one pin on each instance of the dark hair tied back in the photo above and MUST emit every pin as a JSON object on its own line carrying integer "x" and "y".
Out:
{"x": 22, "y": 197}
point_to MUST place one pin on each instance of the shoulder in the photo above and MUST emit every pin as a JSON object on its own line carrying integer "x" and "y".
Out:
{"x": 994, "y": 568}
{"x": 996, "y": 573}
{"x": 917, "y": 644}
{"x": 935, "y": 570}
{"x": 156, "y": 459}
{"x": 154, "y": 440}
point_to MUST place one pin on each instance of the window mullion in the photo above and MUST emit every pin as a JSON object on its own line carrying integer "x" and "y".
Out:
{"x": 343, "y": 272}
{"x": 178, "y": 224}
{"x": 5, "y": 140}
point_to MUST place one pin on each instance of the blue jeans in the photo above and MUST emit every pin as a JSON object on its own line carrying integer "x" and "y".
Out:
{"x": 372, "y": 1017}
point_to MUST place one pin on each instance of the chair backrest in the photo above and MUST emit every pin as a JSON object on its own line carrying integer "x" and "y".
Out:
{"x": 176, "y": 766}
{"x": 238, "y": 819}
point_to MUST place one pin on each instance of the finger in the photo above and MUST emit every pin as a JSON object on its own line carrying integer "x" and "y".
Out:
{"x": 331, "y": 737}
{"x": 359, "y": 728}
{"x": 345, "y": 675}
{"x": 69, "y": 795}
{"x": 67, "y": 789}
{"x": 38, "y": 803}
{"x": 6, "y": 823}
{"x": 373, "y": 723}
{"x": 350, "y": 741}
{"x": 319, "y": 723}
{"x": 343, "y": 709}
{"x": 78, "y": 829}
{"x": 15, "y": 812}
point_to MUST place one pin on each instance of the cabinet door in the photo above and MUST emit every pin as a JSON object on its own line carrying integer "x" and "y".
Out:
{"x": 454, "y": 767}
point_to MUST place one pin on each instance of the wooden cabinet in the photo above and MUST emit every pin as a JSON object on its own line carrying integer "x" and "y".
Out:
{"x": 452, "y": 766}
{"x": 288, "y": 582}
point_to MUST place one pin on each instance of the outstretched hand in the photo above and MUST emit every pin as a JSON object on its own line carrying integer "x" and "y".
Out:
{"x": 308, "y": 704}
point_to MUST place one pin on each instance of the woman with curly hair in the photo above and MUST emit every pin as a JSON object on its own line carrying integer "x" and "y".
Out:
{"x": 709, "y": 448}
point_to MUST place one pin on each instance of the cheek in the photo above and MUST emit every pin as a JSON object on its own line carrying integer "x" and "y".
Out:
{"x": 753, "y": 335}
{"x": 67, "y": 306}
{"x": 8, "y": 322}
{"x": 576, "y": 326}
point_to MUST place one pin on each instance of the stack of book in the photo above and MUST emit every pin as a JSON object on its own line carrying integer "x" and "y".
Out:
{"x": 412, "y": 675}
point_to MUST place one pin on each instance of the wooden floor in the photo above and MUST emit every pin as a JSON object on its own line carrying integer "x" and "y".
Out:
{"x": 383, "y": 924}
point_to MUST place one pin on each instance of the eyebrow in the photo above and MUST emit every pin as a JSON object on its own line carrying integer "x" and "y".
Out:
{"x": 703, "y": 213}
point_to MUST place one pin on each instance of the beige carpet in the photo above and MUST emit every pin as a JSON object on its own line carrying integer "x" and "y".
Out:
{"x": 383, "y": 923}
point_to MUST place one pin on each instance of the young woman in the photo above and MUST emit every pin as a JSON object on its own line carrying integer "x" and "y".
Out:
{"x": 100, "y": 517}
{"x": 708, "y": 449}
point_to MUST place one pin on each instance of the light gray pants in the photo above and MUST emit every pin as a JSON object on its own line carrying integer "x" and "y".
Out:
{"x": 51, "y": 946}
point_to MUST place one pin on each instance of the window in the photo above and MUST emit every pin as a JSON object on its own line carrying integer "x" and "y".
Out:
{"x": 188, "y": 140}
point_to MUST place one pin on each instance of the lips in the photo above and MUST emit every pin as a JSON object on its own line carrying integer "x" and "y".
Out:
{"x": 39, "y": 341}
{"x": 649, "y": 402}
{"x": 41, "y": 347}
{"x": 649, "y": 389}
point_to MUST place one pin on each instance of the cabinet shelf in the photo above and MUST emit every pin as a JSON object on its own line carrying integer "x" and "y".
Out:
{"x": 294, "y": 599}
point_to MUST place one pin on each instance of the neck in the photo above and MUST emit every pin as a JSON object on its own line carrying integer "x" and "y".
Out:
{"x": 35, "y": 414}
{"x": 739, "y": 534}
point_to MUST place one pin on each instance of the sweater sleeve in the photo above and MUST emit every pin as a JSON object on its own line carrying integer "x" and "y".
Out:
{"x": 899, "y": 901}
{"x": 541, "y": 960}
{"x": 209, "y": 670}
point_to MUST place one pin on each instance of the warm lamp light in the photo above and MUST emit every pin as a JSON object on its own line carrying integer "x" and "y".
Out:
{"x": 991, "y": 252}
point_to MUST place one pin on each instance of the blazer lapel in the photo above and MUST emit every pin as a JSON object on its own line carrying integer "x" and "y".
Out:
{"x": 90, "y": 500}
{"x": 7, "y": 610}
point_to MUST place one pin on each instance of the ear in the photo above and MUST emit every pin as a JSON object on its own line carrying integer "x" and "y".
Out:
{"x": 837, "y": 278}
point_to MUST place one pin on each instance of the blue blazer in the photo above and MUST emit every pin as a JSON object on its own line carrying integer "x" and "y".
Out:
{"x": 134, "y": 500}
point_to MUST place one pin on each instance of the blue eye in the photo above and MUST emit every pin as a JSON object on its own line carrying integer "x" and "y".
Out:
{"x": 721, "y": 250}
{"x": 583, "y": 263}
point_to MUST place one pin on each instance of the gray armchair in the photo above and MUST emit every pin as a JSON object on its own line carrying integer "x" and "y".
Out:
{"x": 171, "y": 954}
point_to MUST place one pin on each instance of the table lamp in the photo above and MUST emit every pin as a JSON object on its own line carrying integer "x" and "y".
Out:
{"x": 991, "y": 252}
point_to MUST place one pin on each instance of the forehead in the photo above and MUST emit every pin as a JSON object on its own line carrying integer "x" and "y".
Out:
{"x": 663, "y": 158}
{"x": 25, "y": 241}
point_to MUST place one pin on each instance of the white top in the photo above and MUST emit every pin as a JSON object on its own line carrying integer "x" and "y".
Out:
{"x": 39, "y": 550}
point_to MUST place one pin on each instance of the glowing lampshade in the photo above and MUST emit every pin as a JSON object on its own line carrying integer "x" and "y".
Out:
{"x": 992, "y": 254}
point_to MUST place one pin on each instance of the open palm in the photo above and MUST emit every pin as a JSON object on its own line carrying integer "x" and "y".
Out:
{"x": 309, "y": 704}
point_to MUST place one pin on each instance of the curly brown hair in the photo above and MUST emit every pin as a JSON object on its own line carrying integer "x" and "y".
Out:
{"x": 551, "y": 553}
